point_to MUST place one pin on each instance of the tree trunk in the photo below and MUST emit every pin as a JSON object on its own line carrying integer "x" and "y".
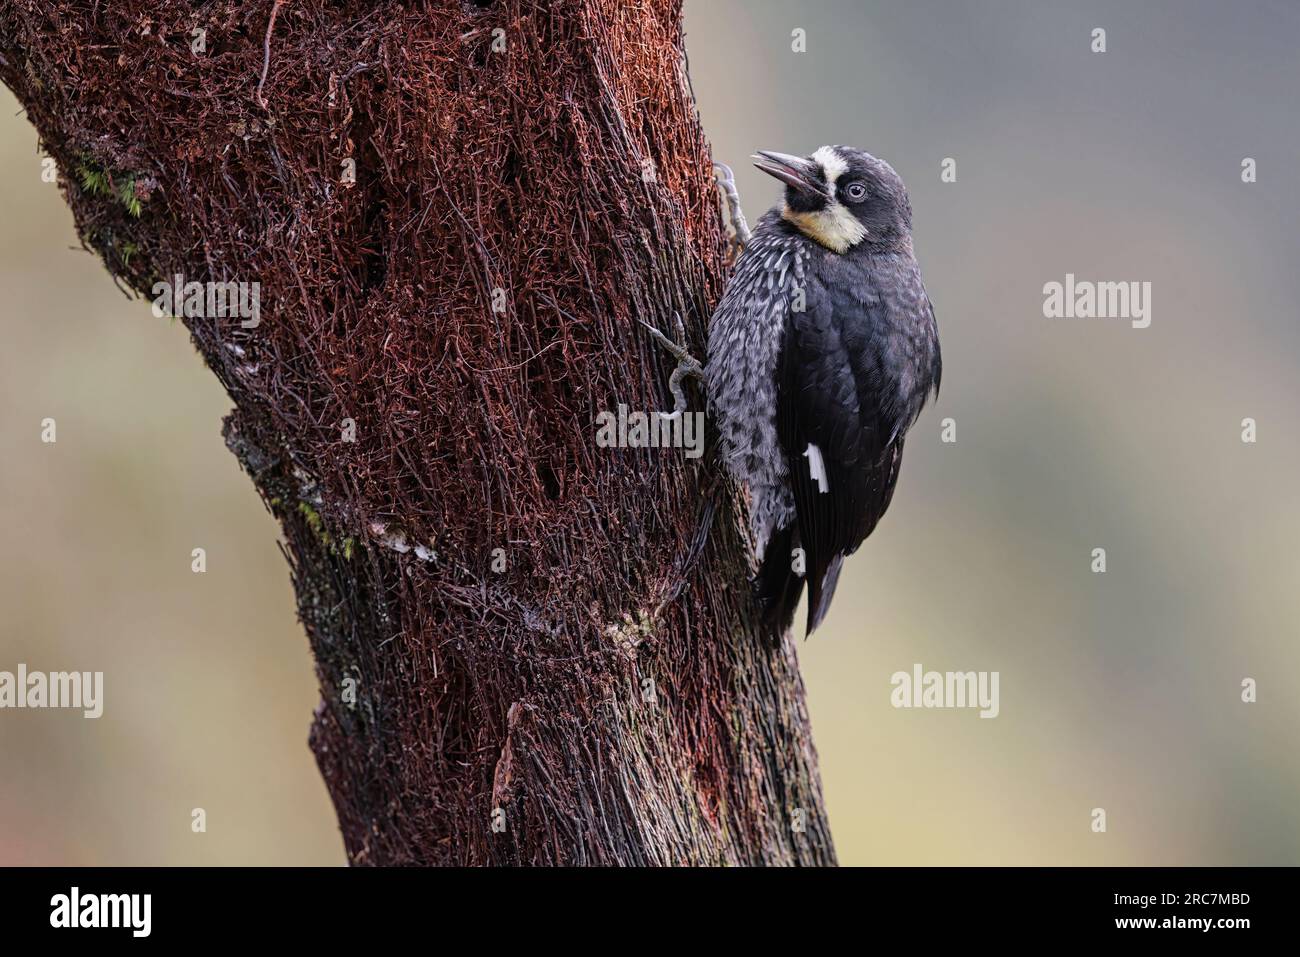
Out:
{"x": 532, "y": 649}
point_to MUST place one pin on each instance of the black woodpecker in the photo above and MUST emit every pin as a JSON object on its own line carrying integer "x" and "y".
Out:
{"x": 822, "y": 352}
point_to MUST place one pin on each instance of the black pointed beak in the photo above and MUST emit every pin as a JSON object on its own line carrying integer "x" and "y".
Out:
{"x": 794, "y": 171}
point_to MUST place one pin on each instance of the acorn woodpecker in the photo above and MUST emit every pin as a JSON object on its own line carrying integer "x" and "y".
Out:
{"x": 822, "y": 352}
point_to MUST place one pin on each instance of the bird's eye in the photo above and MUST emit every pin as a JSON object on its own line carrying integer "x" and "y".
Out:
{"x": 856, "y": 192}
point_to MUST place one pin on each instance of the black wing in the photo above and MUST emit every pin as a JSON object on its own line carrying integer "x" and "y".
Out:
{"x": 835, "y": 393}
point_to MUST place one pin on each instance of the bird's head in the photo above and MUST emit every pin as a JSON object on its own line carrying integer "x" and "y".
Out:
{"x": 841, "y": 197}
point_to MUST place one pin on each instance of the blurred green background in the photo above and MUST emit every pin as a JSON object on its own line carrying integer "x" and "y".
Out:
{"x": 1119, "y": 691}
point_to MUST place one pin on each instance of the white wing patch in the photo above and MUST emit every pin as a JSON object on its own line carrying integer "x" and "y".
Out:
{"x": 817, "y": 468}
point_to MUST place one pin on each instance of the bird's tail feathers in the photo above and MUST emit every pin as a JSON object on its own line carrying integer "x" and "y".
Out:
{"x": 821, "y": 589}
{"x": 778, "y": 586}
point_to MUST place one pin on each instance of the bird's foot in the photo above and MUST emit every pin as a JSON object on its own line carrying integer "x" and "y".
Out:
{"x": 737, "y": 228}
{"x": 688, "y": 367}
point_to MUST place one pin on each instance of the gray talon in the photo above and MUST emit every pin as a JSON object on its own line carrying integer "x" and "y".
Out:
{"x": 737, "y": 227}
{"x": 687, "y": 365}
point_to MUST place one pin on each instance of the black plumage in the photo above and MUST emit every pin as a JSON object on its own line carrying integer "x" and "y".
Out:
{"x": 848, "y": 353}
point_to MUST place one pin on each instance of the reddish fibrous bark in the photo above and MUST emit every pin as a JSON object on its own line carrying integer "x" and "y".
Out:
{"x": 531, "y": 649}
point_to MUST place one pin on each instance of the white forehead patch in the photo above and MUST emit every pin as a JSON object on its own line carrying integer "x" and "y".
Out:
{"x": 831, "y": 163}
{"x": 834, "y": 226}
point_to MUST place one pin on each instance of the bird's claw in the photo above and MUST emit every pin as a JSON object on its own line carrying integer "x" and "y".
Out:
{"x": 737, "y": 228}
{"x": 687, "y": 365}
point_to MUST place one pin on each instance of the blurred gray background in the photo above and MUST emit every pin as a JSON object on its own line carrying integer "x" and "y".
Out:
{"x": 1119, "y": 691}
